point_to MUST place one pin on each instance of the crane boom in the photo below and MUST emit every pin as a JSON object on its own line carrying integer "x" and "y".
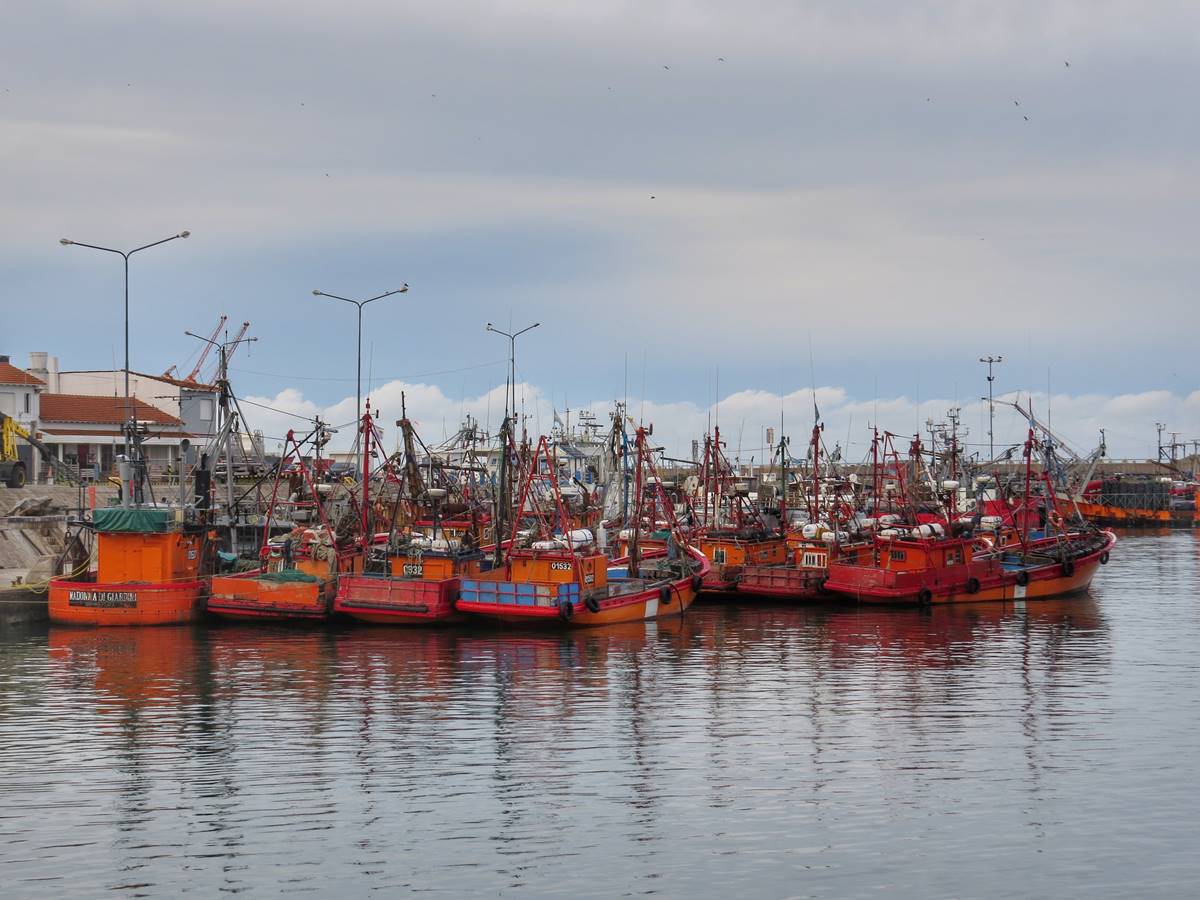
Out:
{"x": 207, "y": 349}
{"x": 231, "y": 348}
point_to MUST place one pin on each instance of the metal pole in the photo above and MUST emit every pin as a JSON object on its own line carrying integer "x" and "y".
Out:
{"x": 358, "y": 381}
{"x": 991, "y": 403}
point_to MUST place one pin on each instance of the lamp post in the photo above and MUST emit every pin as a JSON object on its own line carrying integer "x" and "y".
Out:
{"x": 991, "y": 360}
{"x": 501, "y": 498}
{"x": 125, "y": 254}
{"x": 512, "y": 361}
{"x": 360, "y": 304}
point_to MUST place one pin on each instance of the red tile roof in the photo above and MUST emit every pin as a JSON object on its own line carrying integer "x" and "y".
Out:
{"x": 99, "y": 410}
{"x": 10, "y": 374}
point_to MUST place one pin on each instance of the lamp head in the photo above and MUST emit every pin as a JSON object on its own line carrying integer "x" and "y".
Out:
{"x": 403, "y": 288}
{"x": 185, "y": 234}
{"x": 66, "y": 242}
{"x": 316, "y": 293}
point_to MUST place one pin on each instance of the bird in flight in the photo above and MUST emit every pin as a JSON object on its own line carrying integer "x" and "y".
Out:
{"x": 1067, "y": 64}
{"x": 1016, "y": 103}
{"x": 651, "y": 196}
{"x": 720, "y": 59}
{"x": 666, "y": 67}
{"x": 1027, "y": 118}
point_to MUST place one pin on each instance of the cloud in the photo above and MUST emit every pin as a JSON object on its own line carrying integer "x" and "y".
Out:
{"x": 744, "y": 417}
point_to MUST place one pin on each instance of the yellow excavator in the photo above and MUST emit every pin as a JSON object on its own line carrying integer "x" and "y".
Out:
{"x": 12, "y": 470}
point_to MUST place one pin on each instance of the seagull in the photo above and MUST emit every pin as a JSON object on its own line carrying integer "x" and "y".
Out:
{"x": 927, "y": 100}
{"x": 720, "y": 59}
{"x": 1067, "y": 64}
{"x": 1016, "y": 103}
{"x": 666, "y": 67}
{"x": 651, "y": 196}
{"x": 1027, "y": 118}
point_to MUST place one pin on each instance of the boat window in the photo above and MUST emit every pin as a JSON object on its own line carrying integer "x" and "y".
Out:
{"x": 719, "y": 555}
{"x": 899, "y": 555}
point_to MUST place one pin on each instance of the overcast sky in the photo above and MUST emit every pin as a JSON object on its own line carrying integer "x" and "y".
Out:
{"x": 669, "y": 188}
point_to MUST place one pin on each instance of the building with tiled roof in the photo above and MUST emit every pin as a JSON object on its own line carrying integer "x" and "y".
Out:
{"x": 86, "y": 432}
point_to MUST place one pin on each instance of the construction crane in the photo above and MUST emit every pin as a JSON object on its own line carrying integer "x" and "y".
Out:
{"x": 231, "y": 346}
{"x": 172, "y": 372}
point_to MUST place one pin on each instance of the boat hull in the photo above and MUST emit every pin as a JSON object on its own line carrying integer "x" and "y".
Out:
{"x": 782, "y": 583}
{"x": 967, "y": 584}
{"x": 126, "y": 603}
{"x": 659, "y": 601}
{"x": 381, "y": 600}
{"x": 247, "y": 596}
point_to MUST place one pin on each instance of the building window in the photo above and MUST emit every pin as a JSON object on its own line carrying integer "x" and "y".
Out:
{"x": 206, "y": 409}
{"x": 28, "y": 403}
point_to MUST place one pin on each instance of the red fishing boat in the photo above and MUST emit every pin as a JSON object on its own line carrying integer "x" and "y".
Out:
{"x": 555, "y": 574}
{"x": 414, "y": 578}
{"x": 926, "y": 565}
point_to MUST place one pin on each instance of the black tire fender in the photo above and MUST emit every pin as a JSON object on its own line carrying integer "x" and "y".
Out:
{"x": 1104, "y": 558}
{"x": 592, "y": 604}
{"x": 566, "y": 609}
{"x": 925, "y": 597}
{"x": 1068, "y": 568}
{"x": 697, "y": 583}
{"x": 1022, "y": 578}
{"x": 972, "y": 585}
{"x": 821, "y": 582}
{"x": 664, "y": 595}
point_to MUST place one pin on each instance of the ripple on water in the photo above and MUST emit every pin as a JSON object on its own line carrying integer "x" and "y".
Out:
{"x": 750, "y": 748}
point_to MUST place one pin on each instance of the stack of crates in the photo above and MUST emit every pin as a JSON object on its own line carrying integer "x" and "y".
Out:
{"x": 506, "y": 593}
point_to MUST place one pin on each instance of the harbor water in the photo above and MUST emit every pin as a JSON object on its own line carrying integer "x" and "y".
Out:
{"x": 747, "y": 749}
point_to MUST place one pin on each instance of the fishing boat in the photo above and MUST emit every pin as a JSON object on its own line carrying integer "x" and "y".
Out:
{"x": 928, "y": 564}
{"x": 554, "y": 574}
{"x": 152, "y": 558}
{"x": 414, "y": 577}
{"x": 151, "y": 569}
{"x": 734, "y": 532}
{"x": 297, "y": 577}
{"x": 811, "y": 544}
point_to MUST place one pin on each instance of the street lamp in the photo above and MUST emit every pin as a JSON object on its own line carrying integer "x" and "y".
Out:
{"x": 125, "y": 254}
{"x": 990, "y": 360}
{"x": 512, "y": 386}
{"x": 512, "y": 361}
{"x": 360, "y": 304}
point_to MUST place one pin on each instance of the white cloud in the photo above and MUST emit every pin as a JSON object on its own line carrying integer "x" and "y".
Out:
{"x": 744, "y": 417}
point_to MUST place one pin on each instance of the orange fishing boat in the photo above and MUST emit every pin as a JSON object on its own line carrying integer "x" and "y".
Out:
{"x": 557, "y": 575}
{"x": 151, "y": 569}
{"x": 297, "y": 580}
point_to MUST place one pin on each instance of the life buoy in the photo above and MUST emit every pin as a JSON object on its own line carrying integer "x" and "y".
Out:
{"x": 925, "y": 597}
{"x": 592, "y": 604}
{"x": 972, "y": 585}
{"x": 664, "y": 595}
{"x": 1104, "y": 558}
{"x": 1068, "y": 568}
{"x": 697, "y": 583}
{"x": 1022, "y": 578}
{"x": 566, "y": 609}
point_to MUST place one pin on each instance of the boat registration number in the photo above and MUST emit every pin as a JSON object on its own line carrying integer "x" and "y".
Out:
{"x": 103, "y": 599}
{"x": 417, "y": 569}
{"x": 560, "y": 566}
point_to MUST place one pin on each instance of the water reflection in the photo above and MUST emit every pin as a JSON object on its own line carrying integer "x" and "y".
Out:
{"x": 741, "y": 744}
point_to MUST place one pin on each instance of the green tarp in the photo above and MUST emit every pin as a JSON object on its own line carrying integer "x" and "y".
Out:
{"x": 288, "y": 575}
{"x": 144, "y": 521}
